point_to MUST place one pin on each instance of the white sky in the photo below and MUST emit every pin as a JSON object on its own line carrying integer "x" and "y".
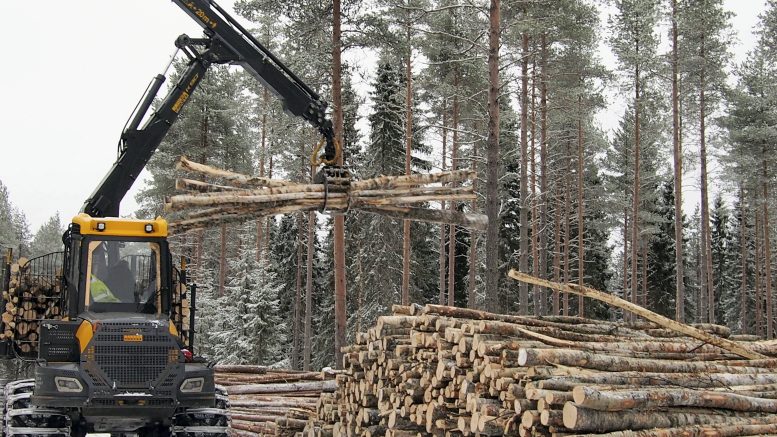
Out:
{"x": 72, "y": 73}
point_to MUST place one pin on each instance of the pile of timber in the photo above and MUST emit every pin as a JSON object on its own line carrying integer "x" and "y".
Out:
{"x": 240, "y": 197}
{"x": 271, "y": 402}
{"x": 445, "y": 371}
{"x": 28, "y": 299}
{"x": 181, "y": 311}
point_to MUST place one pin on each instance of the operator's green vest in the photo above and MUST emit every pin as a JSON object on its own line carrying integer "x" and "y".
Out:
{"x": 100, "y": 292}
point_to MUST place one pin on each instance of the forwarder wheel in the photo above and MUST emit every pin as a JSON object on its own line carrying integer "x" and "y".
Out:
{"x": 150, "y": 431}
{"x": 78, "y": 430}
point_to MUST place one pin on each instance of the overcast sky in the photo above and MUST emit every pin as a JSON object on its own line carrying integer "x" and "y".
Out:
{"x": 74, "y": 70}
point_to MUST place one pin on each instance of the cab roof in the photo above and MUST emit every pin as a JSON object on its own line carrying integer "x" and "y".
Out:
{"x": 120, "y": 227}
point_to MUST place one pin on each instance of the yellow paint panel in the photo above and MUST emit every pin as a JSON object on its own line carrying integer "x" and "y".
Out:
{"x": 84, "y": 334}
{"x": 173, "y": 330}
{"x": 134, "y": 338}
{"x": 119, "y": 227}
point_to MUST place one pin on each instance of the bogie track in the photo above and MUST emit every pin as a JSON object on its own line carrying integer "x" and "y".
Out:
{"x": 204, "y": 422}
{"x": 22, "y": 419}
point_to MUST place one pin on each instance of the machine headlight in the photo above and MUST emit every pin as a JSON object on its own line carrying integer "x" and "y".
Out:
{"x": 68, "y": 385}
{"x": 192, "y": 385}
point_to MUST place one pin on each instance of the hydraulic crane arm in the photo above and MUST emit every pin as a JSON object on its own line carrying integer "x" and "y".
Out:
{"x": 225, "y": 42}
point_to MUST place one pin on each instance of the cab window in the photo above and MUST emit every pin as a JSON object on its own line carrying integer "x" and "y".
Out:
{"x": 123, "y": 272}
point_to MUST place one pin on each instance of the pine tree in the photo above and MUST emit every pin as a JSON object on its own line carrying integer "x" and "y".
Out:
{"x": 634, "y": 43}
{"x": 48, "y": 238}
{"x": 752, "y": 124}
{"x": 704, "y": 27}
{"x": 14, "y": 231}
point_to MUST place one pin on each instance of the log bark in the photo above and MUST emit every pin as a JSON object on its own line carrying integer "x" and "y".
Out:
{"x": 236, "y": 179}
{"x": 586, "y": 420}
{"x": 283, "y": 388}
{"x": 619, "y": 400}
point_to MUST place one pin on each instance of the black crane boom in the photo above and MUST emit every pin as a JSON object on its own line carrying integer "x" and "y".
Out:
{"x": 225, "y": 42}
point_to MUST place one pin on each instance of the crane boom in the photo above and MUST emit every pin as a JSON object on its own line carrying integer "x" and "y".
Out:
{"x": 225, "y": 41}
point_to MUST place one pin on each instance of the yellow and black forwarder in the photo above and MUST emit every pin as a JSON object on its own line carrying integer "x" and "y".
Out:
{"x": 114, "y": 360}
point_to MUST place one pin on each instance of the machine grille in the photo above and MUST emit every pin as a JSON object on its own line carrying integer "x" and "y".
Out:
{"x": 135, "y": 365}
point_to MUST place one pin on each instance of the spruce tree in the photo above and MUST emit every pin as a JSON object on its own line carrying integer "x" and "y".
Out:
{"x": 661, "y": 271}
{"x": 726, "y": 293}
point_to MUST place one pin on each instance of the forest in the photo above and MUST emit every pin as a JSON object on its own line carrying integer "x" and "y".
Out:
{"x": 514, "y": 90}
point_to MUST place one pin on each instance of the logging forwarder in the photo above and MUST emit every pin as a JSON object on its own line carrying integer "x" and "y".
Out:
{"x": 120, "y": 358}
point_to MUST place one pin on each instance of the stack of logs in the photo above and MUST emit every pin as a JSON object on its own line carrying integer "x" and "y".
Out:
{"x": 271, "y": 402}
{"x": 444, "y": 371}
{"x": 28, "y": 299}
{"x": 238, "y": 197}
{"x": 181, "y": 311}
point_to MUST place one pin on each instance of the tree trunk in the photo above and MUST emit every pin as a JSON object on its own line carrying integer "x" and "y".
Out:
{"x": 260, "y": 223}
{"x": 295, "y": 343}
{"x": 492, "y": 183}
{"x": 705, "y": 208}
{"x": 474, "y": 237}
{"x": 758, "y": 263}
{"x": 454, "y": 166}
{"x": 307, "y": 350}
{"x": 626, "y": 316}
{"x": 523, "y": 257}
{"x": 636, "y": 190}
{"x": 743, "y": 254}
{"x": 443, "y": 299}
{"x": 539, "y": 303}
{"x": 339, "y": 228}
{"x": 408, "y": 147}
{"x": 580, "y": 209}
{"x": 767, "y": 251}
{"x": 557, "y": 217}
{"x": 567, "y": 217}
{"x": 223, "y": 260}
{"x": 360, "y": 289}
{"x": 544, "y": 170}
{"x": 678, "y": 176}
{"x": 644, "y": 274}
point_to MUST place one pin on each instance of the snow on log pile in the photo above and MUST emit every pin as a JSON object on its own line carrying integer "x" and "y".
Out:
{"x": 445, "y": 371}
{"x": 241, "y": 197}
{"x": 271, "y": 402}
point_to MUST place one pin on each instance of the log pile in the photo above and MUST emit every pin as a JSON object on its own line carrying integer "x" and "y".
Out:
{"x": 30, "y": 297}
{"x": 271, "y": 402}
{"x": 444, "y": 371}
{"x": 181, "y": 311}
{"x": 240, "y": 198}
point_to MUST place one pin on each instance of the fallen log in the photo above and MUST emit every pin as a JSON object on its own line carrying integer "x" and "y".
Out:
{"x": 325, "y": 386}
{"x": 618, "y": 400}
{"x": 728, "y": 345}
